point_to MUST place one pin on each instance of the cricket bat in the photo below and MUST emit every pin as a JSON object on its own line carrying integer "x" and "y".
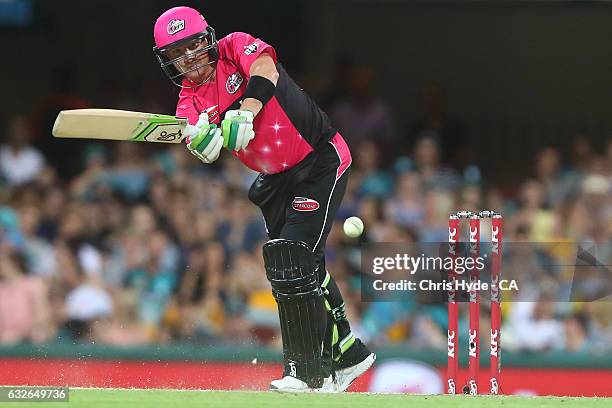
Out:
{"x": 113, "y": 124}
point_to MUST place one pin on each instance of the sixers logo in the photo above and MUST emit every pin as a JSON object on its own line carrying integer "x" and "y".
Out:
{"x": 233, "y": 82}
{"x": 304, "y": 204}
{"x": 174, "y": 26}
{"x": 251, "y": 48}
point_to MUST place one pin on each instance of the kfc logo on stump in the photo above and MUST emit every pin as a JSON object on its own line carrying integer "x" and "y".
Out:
{"x": 304, "y": 204}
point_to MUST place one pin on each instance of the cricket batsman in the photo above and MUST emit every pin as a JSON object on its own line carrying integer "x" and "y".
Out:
{"x": 237, "y": 96}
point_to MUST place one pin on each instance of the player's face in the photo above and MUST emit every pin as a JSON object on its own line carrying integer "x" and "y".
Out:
{"x": 192, "y": 60}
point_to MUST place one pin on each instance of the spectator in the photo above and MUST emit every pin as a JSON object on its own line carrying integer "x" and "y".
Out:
{"x": 242, "y": 228}
{"x": 581, "y": 152}
{"x": 199, "y": 294}
{"x": 153, "y": 279}
{"x": 53, "y": 206}
{"x": 471, "y": 198}
{"x": 24, "y": 303}
{"x": 110, "y": 246}
{"x": 91, "y": 183}
{"x": 542, "y": 223}
{"x": 40, "y": 254}
{"x": 428, "y": 164}
{"x": 250, "y": 295}
{"x": 576, "y": 333}
{"x": 20, "y": 162}
{"x": 532, "y": 326}
{"x": 10, "y": 232}
{"x": 130, "y": 173}
{"x": 557, "y": 184}
{"x": 85, "y": 300}
{"x": 406, "y": 206}
{"x": 374, "y": 181}
{"x": 438, "y": 205}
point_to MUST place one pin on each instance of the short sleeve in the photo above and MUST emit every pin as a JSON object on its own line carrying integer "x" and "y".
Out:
{"x": 243, "y": 49}
{"x": 185, "y": 107}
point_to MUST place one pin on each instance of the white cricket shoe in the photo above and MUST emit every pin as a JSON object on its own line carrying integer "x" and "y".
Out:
{"x": 289, "y": 384}
{"x": 329, "y": 386}
{"x": 345, "y": 376}
{"x": 292, "y": 384}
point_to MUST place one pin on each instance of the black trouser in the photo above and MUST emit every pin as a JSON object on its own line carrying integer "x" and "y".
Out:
{"x": 301, "y": 204}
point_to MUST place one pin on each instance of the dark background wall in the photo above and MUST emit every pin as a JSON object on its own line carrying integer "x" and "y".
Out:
{"x": 544, "y": 67}
{"x": 104, "y": 40}
{"x": 529, "y": 58}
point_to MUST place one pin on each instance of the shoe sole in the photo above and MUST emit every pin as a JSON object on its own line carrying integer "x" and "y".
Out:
{"x": 350, "y": 374}
{"x": 323, "y": 389}
{"x": 291, "y": 390}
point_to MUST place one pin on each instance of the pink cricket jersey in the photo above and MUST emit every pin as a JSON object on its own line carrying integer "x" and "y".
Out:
{"x": 287, "y": 129}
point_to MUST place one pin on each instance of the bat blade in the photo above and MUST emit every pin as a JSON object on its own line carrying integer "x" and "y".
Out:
{"x": 113, "y": 124}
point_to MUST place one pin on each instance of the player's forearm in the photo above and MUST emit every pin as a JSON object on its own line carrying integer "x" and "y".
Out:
{"x": 262, "y": 67}
{"x": 251, "y": 104}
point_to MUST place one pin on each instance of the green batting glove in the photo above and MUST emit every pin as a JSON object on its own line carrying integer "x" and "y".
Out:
{"x": 237, "y": 129}
{"x": 204, "y": 140}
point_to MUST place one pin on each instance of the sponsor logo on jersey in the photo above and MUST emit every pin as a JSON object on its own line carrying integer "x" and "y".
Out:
{"x": 233, "y": 82}
{"x": 304, "y": 204}
{"x": 212, "y": 113}
{"x": 251, "y": 48}
{"x": 174, "y": 26}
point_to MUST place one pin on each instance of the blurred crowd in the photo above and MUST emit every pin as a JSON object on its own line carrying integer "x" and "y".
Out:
{"x": 127, "y": 243}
